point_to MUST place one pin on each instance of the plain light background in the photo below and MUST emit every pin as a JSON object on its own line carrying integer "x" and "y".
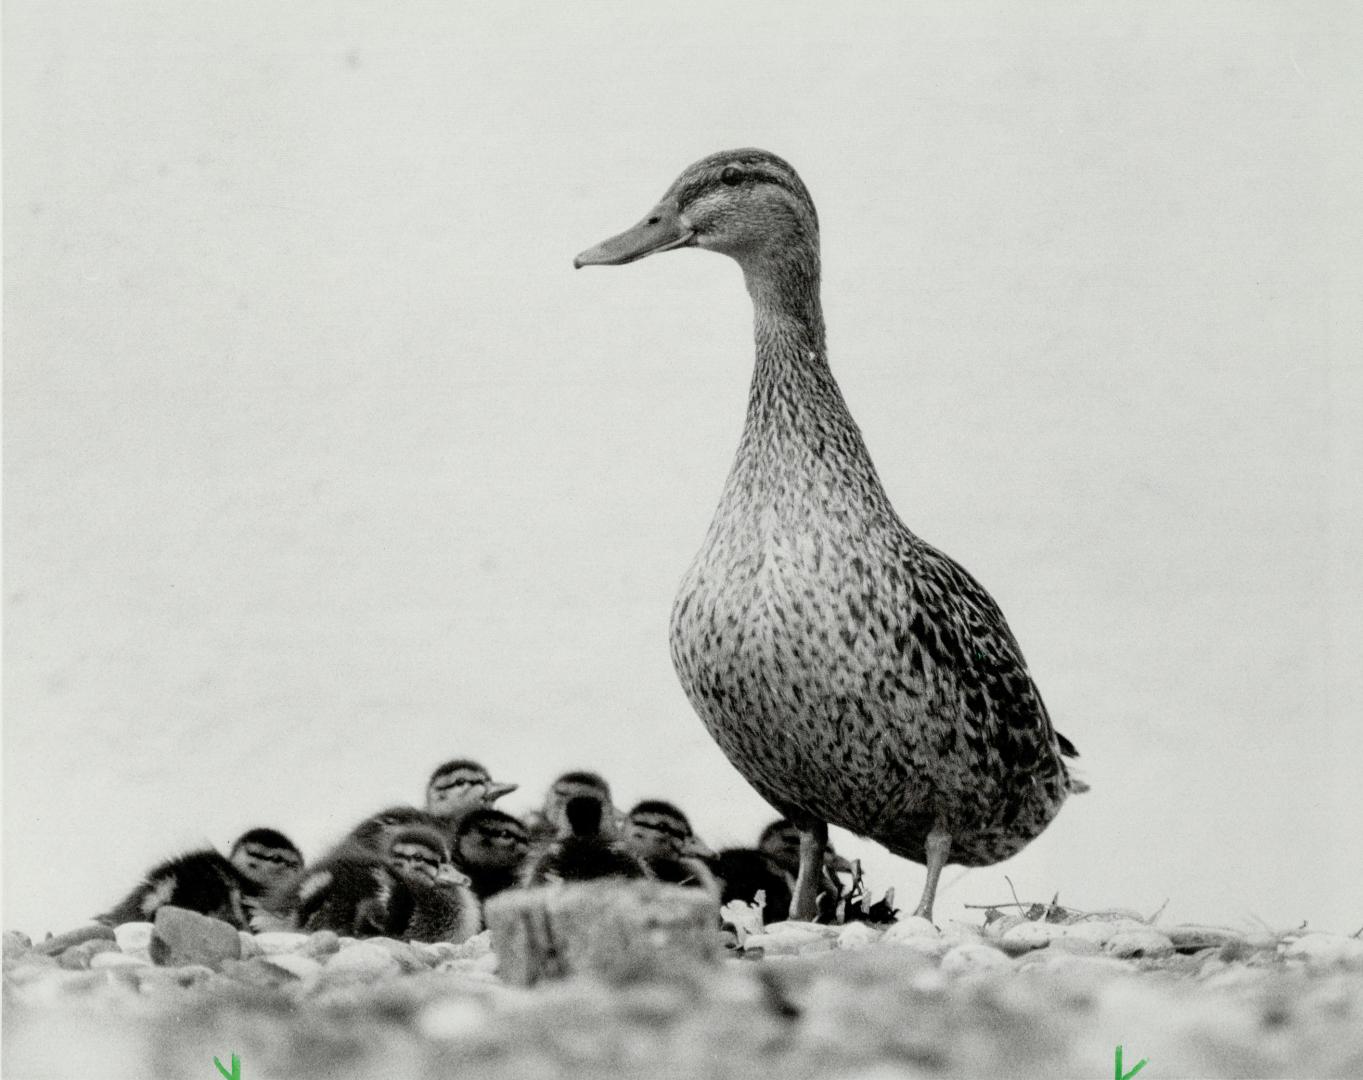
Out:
{"x": 322, "y": 465}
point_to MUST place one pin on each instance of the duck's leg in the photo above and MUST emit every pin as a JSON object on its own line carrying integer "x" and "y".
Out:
{"x": 937, "y": 845}
{"x": 813, "y": 843}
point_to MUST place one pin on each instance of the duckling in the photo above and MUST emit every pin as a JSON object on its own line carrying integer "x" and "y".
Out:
{"x": 660, "y": 834}
{"x": 204, "y": 881}
{"x": 744, "y": 873}
{"x": 850, "y": 671}
{"x": 376, "y": 831}
{"x": 490, "y": 847}
{"x": 551, "y": 822}
{"x": 459, "y": 786}
{"x": 586, "y": 853}
{"x": 780, "y": 841}
{"x": 409, "y": 891}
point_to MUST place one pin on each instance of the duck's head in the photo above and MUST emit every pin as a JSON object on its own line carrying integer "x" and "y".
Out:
{"x": 747, "y": 204}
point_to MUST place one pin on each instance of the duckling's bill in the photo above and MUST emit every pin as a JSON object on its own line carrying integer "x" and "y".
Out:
{"x": 661, "y": 230}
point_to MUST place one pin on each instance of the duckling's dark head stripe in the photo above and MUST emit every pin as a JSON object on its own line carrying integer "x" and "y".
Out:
{"x": 756, "y": 166}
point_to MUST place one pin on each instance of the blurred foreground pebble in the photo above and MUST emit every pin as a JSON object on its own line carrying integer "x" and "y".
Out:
{"x": 1017, "y": 997}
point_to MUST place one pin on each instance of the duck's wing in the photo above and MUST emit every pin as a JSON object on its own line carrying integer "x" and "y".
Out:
{"x": 954, "y": 616}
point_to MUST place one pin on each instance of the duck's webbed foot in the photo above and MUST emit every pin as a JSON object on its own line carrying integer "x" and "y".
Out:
{"x": 804, "y": 904}
{"x": 937, "y": 846}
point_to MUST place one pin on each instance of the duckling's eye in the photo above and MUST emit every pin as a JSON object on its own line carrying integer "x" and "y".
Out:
{"x": 732, "y": 175}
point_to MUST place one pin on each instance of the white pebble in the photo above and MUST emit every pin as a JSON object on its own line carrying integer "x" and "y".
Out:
{"x": 134, "y": 937}
{"x": 1326, "y": 950}
{"x": 858, "y": 935}
{"x": 1026, "y": 936}
{"x": 973, "y": 958}
{"x": 362, "y": 961}
{"x": 915, "y": 926}
{"x": 273, "y": 942}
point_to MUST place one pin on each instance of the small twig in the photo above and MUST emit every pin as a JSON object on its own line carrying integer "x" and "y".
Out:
{"x": 1358, "y": 932}
{"x": 1155, "y": 917}
{"x": 1012, "y": 890}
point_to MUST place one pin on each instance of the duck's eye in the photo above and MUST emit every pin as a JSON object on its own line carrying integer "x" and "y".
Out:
{"x": 732, "y": 175}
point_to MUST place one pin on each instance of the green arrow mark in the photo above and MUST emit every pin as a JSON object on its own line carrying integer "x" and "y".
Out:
{"x": 1117, "y": 1070}
{"x": 235, "y": 1072}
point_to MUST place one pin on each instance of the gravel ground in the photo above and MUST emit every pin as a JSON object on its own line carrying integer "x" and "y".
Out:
{"x": 1017, "y": 997}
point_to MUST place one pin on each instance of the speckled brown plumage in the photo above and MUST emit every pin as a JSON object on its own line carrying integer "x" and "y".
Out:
{"x": 850, "y": 671}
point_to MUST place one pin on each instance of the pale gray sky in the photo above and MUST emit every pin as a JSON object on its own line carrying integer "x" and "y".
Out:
{"x": 322, "y": 464}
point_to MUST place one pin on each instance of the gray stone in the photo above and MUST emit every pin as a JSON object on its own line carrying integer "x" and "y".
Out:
{"x": 77, "y": 958}
{"x": 16, "y": 944}
{"x": 405, "y": 954}
{"x": 320, "y": 945}
{"x": 361, "y": 962}
{"x": 300, "y": 967}
{"x": 186, "y": 937}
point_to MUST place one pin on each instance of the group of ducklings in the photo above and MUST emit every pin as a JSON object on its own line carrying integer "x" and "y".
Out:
{"x": 426, "y": 874}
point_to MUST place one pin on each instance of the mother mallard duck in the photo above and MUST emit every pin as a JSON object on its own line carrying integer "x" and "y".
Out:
{"x": 850, "y": 671}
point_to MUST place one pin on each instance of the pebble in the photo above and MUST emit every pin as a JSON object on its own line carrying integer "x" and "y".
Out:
{"x": 407, "y": 956}
{"x": 321, "y": 944}
{"x": 16, "y": 943}
{"x": 858, "y": 935}
{"x": 1026, "y": 936}
{"x": 976, "y": 957}
{"x": 134, "y": 937}
{"x": 78, "y": 957}
{"x": 300, "y": 967}
{"x": 1079, "y": 946}
{"x": 1321, "y": 951}
{"x": 115, "y": 959}
{"x": 361, "y": 962}
{"x": 261, "y": 971}
{"x": 186, "y": 937}
{"x": 273, "y": 942}
{"x": 1145, "y": 943}
{"x": 915, "y": 926}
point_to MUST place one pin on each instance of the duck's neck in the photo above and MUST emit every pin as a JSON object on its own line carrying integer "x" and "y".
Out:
{"x": 797, "y": 419}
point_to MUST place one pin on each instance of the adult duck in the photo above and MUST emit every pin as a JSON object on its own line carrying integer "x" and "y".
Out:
{"x": 851, "y": 672}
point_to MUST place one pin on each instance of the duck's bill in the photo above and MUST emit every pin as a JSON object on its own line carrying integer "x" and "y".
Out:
{"x": 662, "y": 230}
{"x": 496, "y": 791}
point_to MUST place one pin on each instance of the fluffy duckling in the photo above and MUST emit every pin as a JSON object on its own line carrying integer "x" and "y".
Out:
{"x": 780, "y": 841}
{"x": 660, "y": 834}
{"x": 460, "y": 786}
{"x": 227, "y": 888}
{"x": 409, "y": 891}
{"x": 491, "y": 847}
{"x": 551, "y": 821}
{"x": 850, "y": 671}
{"x": 746, "y": 873}
{"x": 586, "y": 853}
